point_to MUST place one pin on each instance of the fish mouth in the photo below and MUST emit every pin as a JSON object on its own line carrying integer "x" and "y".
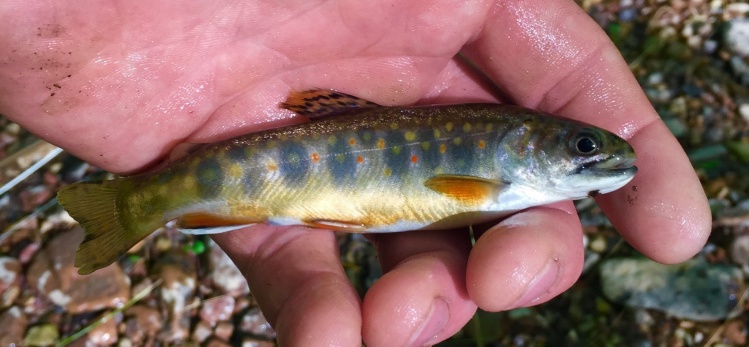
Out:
{"x": 609, "y": 167}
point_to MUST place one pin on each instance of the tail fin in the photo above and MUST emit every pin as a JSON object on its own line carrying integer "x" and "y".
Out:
{"x": 94, "y": 205}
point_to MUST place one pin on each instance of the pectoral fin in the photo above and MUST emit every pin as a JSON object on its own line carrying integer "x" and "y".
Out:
{"x": 320, "y": 103}
{"x": 200, "y": 223}
{"x": 466, "y": 189}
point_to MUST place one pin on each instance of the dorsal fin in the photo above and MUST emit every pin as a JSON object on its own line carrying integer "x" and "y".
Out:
{"x": 318, "y": 103}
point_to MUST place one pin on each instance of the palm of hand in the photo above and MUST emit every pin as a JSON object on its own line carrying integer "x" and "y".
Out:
{"x": 122, "y": 84}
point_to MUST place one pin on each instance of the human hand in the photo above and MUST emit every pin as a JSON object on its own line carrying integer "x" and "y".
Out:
{"x": 120, "y": 84}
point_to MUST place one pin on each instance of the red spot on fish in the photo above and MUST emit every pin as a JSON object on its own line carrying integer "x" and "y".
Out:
{"x": 381, "y": 144}
{"x": 482, "y": 144}
{"x": 315, "y": 157}
{"x": 414, "y": 159}
{"x": 359, "y": 159}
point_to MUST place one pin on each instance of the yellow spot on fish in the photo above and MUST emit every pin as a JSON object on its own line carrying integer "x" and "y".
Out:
{"x": 367, "y": 136}
{"x": 394, "y": 126}
{"x": 188, "y": 183}
{"x": 449, "y": 126}
{"x": 482, "y": 144}
{"x": 425, "y": 145}
{"x": 457, "y": 141}
{"x": 410, "y": 136}
{"x": 489, "y": 127}
{"x": 467, "y": 127}
{"x": 340, "y": 157}
{"x": 235, "y": 171}
{"x": 381, "y": 143}
{"x": 443, "y": 148}
{"x": 437, "y": 133}
{"x": 315, "y": 136}
{"x": 352, "y": 141}
{"x": 387, "y": 172}
{"x": 396, "y": 149}
{"x": 332, "y": 140}
{"x": 315, "y": 157}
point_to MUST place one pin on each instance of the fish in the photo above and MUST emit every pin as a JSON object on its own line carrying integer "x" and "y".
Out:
{"x": 358, "y": 167}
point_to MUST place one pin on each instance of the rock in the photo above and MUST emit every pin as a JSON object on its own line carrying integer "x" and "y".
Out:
{"x": 202, "y": 332}
{"x": 142, "y": 323}
{"x": 256, "y": 343}
{"x": 178, "y": 273}
{"x": 224, "y": 330}
{"x": 13, "y": 323}
{"x": 254, "y": 322}
{"x": 744, "y": 111}
{"x": 694, "y": 290}
{"x": 41, "y": 335}
{"x": 104, "y": 334}
{"x": 740, "y": 251}
{"x": 10, "y": 286}
{"x": 53, "y": 274}
{"x": 216, "y": 342}
{"x": 737, "y": 36}
{"x": 225, "y": 275}
{"x": 217, "y": 309}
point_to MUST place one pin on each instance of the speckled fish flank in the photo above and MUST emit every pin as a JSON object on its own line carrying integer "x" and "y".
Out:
{"x": 357, "y": 167}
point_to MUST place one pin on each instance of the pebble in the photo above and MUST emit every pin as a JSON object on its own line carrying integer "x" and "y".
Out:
{"x": 225, "y": 275}
{"x": 744, "y": 112}
{"x": 740, "y": 251}
{"x": 224, "y": 330}
{"x": 142, "y": 323}
{"x": 177, "y": 270}
{"x": 13, "y": 322}
{"x": 257, "y": 343}
{"x": 10, "y": 287}
{"x": 53, "y": 274}
{"x": 254, "y": 322}
{"x": 104, "y": 334}
{"x": 201, "y": 332}
{"x": 217, "y": 309}
{"x": 41, "y": 335}
{"x": 737, "y": 36}
{"x": 694, "y": 290}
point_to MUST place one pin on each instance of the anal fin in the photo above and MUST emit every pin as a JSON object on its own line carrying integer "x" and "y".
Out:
{"x": 466, "y": 189}
{"x": 345, "y": 226}
{"x": 199, "y": 223}
{"x": 319, "y": 103}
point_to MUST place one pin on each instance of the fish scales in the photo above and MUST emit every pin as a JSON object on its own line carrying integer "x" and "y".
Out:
{"x": 358, "y": 167}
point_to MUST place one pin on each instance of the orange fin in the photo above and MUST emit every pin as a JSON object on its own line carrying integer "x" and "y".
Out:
{"x": 467, "y": 189}
{"x": 335, "y": 225}
{"x": 318, "y": 103}
{"x": 211, "y": 223}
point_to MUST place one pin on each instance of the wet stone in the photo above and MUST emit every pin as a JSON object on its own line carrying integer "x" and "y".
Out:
{"x": 694, "y": 290}
{"x": 253, "y": 322}
{"x": 10, "y": 270}
{"x": 142, "y": 324}
{"x": 256, "y": 343}
{"x": 178, "y": 273}
{"x": 740, "y": 251}
{"x": 225, "y": 275}
{"x": 201, "y": 332}
{"x": 217, "y": 309}
{"x": 53, "y": 274}
{"x": 224, "y": 330}
{"x": 41, "y": 335}
{"x": 103, "y": 335}
{"x": 737, "y": 36}
{"x": 13, "y": 322}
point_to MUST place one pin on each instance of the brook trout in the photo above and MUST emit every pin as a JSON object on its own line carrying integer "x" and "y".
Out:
{"x": 357, "y": 167}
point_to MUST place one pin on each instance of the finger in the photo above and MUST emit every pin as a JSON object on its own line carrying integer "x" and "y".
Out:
{"x": 421, "y": 299}
{"x": 550, "y": 55}
{"x": 294, "y": 274}
{"x": 526, "y": 259}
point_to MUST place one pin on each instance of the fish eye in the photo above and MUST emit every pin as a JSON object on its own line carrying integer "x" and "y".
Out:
{"x": 585, "y": 143}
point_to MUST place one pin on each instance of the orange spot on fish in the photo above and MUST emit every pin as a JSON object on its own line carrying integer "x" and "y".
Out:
{"x": 359, "y": 159}
{"x": 381, "y": 143}
{"x": 315, "y": 157}
{"x": 272, "y": 167}
{"x": 443, "y": 148}
{"x": 352, "y": 141}
{"x": 482, "y": 144}
{"x": 414, "y": 159}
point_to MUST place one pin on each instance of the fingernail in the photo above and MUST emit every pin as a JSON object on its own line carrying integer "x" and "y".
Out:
{"x": 540, "y": 285}
{"x": 434, "y": 324}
